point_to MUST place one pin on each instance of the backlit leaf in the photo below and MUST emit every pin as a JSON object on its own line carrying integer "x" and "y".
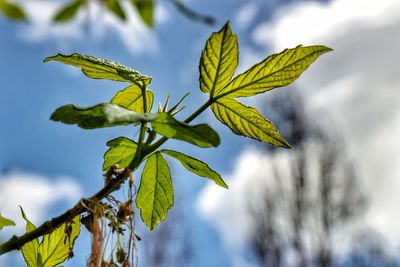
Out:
{"x": 200, "y": 135}
{"x": 12, "y": 10}
{"x": 5, "y": 222}
{"x": 275, "y": 71}
{"x": 69, "y": 11}
{"x": 30, "y": 250}
{"x": 114, "y": 7}
{"x": 122, "y": 151}
{"x": 131, "y": 98}
{"x": 55, "y": 247}
{"x": 101, "y": 115}
{"x": 196, "y": 166}
{"x": 218, "y": 61}
{"x": 97, "y": 68}
{"x": 146, "y": 11}
{"x": 243, "y": 120}
{"x": 156, "y": 193}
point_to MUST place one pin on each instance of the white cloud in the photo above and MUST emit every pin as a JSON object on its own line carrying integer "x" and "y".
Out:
{"x": 227, "y": 209}
{"x": 92, "y": 24}
{"x": 36, "y": 194}
{"x": 357, "y": 85}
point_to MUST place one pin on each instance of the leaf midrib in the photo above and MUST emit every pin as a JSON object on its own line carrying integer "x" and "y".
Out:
{"x": 264, "y": 77}
{"x": 219, "y": 63}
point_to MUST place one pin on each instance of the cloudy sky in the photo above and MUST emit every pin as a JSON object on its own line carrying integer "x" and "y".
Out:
{"x": 46, "y": 166}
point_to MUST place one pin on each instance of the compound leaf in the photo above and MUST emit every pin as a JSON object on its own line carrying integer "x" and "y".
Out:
{"x": 156, "y": 193}
{"x": 56, "y": 246}
{"x": 146, "y": 11}
{"x": 122, "y": 150}
{"x": 30, "y": 250}
{"x": 114, "y": 7}
{"x": 12, "y": 10}
{"x": 97, "y": 68}
{"x": 69, "y": 11}
{"x": 275, "y": 71}
{"x": 218, "y": 61}
{"x": 101, "y": 115}
{"x": 5, "y": 222}
{"x": 243, "y": 120}
{"x": 200, "y": 135}
{"x": 196, "y": 166}
{"x": 131, "y": 98}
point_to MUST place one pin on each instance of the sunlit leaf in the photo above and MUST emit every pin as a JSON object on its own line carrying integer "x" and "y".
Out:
{"x": 68, "y": 11}
{"x": 131, "y": 98}
{"x": 243, "y": 120}
{"x": 196, "y": 166}
{"x": 5, "y": 222}
{"x": 218, "y": 61}
{"x": 30, "y": 250}
{"x": 55, "y": 247}
{"x": 97, "y": 68}
{"x": 275, "y": 71}
{"x": 200, "y": 135}
{"x": 12, "y": 10}
{"x": 156, "y": 193}
{"x": 145, "y": 9}
{"x": 101, "y": 115}
{"x": 114, "y": 7}
{"x": 121, "y": 152}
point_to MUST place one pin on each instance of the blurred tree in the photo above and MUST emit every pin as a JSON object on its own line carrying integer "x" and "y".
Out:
{"x": 171, "y": 243}
{"x": 307, "y": 199}
{"x": 369, "y": 249}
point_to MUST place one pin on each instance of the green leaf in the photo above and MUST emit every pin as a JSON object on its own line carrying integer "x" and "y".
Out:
{"x": 114, "y": 7}
{"x": 200, "y": 135}
{"x": 121, "y": 152}
{"x": 55, "y": 247}
{"x": 219, "y": 60}
{"x": 196, "y": 166}
{"x": 97, "y": 68}
{"x": 275, "y": 71}
{"x": 243, "y": 120}
{"x": 68, "y": 11}
{"x": 30, "y": 250}
{"x": 146, "y": 11}
{"x": 12, "y": 10}
{"x": 5, "y": 222}
{"x": 156, "y": 193}
{"x": 101, "y": 115}
{"x": 131, "y": 98}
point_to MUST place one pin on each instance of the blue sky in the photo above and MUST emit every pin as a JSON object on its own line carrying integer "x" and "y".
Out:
{"x": 357, "y": 94}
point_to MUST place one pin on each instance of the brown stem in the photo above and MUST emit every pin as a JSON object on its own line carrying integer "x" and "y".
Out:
{"x": 15, "y": 243}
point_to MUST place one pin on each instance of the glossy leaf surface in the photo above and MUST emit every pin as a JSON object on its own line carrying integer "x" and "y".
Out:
{"x": 99, "y": 116}
{"x": 275, "y": 71}
{"x": 156, "y": 193}
{"x": 30, "y": 249}
{"x": 5, "y": 222}
{"x": 97, "y": 68}
{"x": 122, "y": 151}
{"x": 219, "y": 60}
{"x": 131, "y": 98}
{"x": 55, "y": 247}
{"x": 200, "y": 135}
{"x": 196, "y": 166}
{"x": 247, "y": 121}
